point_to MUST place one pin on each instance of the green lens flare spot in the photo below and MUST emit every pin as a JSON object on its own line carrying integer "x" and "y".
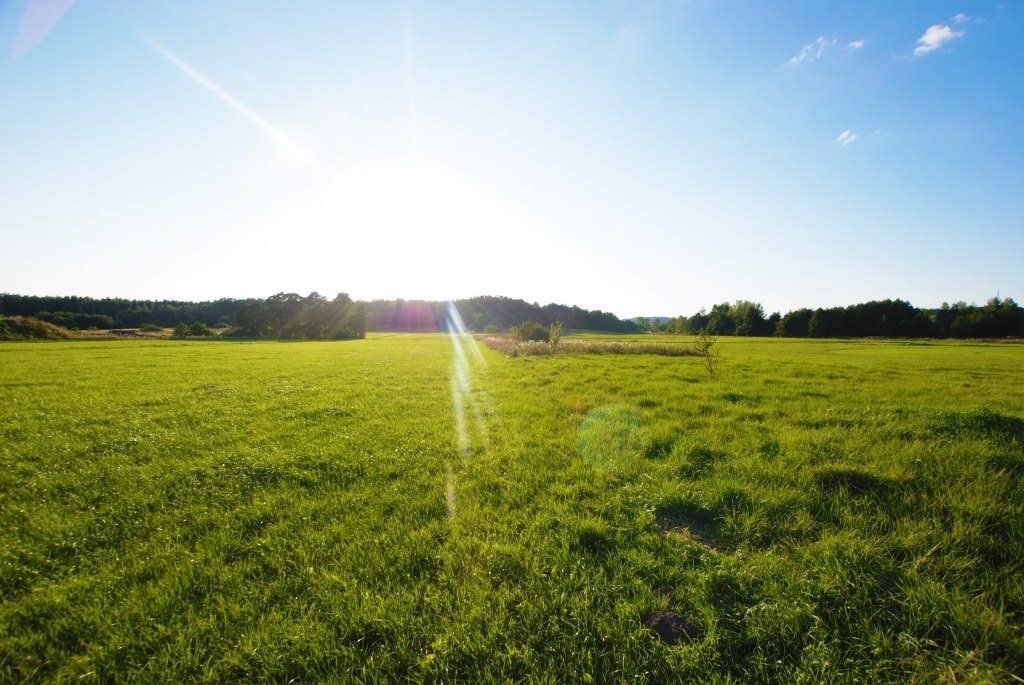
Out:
{"x": 612, "y": 436}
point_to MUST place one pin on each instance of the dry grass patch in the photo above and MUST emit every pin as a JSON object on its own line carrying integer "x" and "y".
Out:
{"x": 510, "y": 347}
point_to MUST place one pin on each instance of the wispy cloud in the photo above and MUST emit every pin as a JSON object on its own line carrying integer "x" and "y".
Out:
{"x": 813, "y": 51}
{"x": 846, "y": 137}
{"x": 816, "y": 49}
{"x": 280, "y": 139}
{"x": 960, "y": 18}
{"x": 936, "y": 37}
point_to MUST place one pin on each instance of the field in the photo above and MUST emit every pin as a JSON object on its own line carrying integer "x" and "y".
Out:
{"x": 410, "y": 508}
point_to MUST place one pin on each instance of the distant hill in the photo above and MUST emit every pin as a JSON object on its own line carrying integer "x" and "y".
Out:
{"x": 26, "y": 328}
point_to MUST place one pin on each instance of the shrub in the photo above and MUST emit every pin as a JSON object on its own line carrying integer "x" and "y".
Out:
{"x": 181, "y": 331}
{"x": 149, "y": 328}
{"x": 530, "y": 330}
{"x": 199, "y": 329}
{"x": 555, "y": 334}
{"x": 705, "y": 346}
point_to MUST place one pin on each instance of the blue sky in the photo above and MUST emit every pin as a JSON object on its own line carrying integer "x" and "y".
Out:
{"x": 644, "y": 158}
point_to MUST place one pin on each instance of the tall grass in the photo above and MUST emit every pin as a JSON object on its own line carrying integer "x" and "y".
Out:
{"x": 510, "y": 347}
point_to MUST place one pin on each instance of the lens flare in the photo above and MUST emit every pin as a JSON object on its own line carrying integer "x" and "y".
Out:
{"x": 466, "y": 400}
{"x": 36, "y": 23}
{"x": 282, "y": 141}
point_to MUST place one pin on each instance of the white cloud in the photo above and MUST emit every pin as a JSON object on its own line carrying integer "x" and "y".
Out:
{"x": 846, "y": 137}
{"x": 960, "y": 18}
{"x": 855, "y": 45}
{"x": 934, "y": 38}
{"x": 813, "y": 51}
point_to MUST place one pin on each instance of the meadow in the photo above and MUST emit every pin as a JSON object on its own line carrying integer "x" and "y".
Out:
{"x": 419, "y": 508}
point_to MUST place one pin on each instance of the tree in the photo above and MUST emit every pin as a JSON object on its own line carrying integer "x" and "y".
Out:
{"x": 818, "y": 327}
{"x": 288, "y": 315}
{"x": 555, "y": 334}
{"x": 697, "y": 322}
{"x": 720, "y": 320}
{"x": 705, "y": 346}
{"x": 748, "y": 317}
{"x": 794, "y": 324}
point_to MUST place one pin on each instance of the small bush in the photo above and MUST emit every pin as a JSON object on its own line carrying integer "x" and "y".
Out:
{"x": 530, "y": 331}
{"x": 555, "y": 334}
{"x": 150, "y": 328}
{"x": 704, "y": 345}
{"x": 181, "y": 331}
{"x": 199, "y": 329}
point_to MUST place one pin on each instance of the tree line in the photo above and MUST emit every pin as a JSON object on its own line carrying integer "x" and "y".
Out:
{"x": 487, "y": 313}
{"x": 260, "y": 316}
{"x": 997, "y": 318}
{"x": 116, "y": 312}
{"x": 289, "y": 315}
{"x": 292, "y": 316}
{"x": 284, "y": 315}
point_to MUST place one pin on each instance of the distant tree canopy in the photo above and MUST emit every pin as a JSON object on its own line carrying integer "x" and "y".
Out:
{"x": 120, "y": 312}
{"x": 480, "y": 312}
{"x": 72, "y": 320}
{"x": 998, "y": 318}
{"x": 380, "y": 315}
{"x": 314, "y": 317}
{"x": 288, "y": 315}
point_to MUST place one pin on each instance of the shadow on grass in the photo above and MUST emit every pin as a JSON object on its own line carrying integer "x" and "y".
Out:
{"x": 837, "y": 478}
{"x": 984, "y": 423}
{"x": 685, "y": 518}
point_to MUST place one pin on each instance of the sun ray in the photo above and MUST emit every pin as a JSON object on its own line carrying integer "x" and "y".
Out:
{"x": 285, "y": 143}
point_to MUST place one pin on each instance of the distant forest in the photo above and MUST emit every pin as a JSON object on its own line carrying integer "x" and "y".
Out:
{"x": 997, "y": 318}
{"x": 487, "y": 313}
{"x": 289, "y": 315}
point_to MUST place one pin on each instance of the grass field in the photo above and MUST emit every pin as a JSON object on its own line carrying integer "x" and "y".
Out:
{"x": 388, "y": 509}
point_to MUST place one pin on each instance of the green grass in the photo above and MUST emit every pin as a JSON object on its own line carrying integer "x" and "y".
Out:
{"x": 823, "y": 511}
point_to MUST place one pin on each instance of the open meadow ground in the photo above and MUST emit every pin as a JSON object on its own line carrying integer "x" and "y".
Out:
{"x": 406, "y": 509}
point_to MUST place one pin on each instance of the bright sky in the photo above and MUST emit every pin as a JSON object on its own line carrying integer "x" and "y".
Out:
{"x": 646, "y": 158}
